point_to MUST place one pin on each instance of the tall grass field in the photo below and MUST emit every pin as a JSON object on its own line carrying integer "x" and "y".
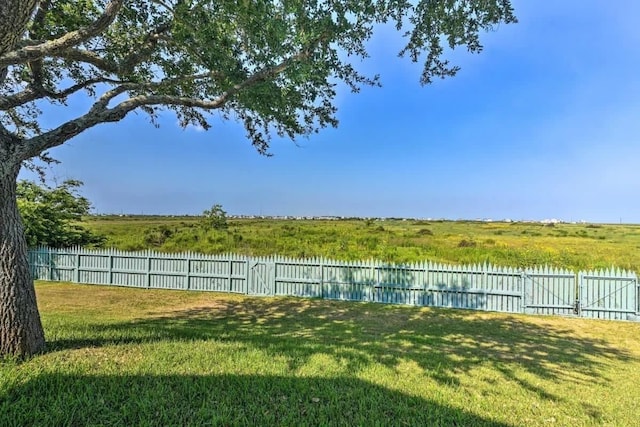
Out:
{"x": 120, "y": 356}
{"x": 517, "y": 244}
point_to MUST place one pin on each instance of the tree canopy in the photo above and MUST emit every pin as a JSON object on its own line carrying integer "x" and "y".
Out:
{"x": 272, "y": 65}
{"x": 214, "y": 218}
{"x": 52, "y": 216}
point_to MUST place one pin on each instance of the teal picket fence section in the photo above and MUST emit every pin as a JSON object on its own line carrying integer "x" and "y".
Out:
{"x": 607, "y": 294}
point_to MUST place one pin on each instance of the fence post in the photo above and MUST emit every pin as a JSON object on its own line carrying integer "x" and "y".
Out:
{"x": 579, "y": 292}
{"x": 188, "y": 274}
{"x": 77, "y": 269}
{"x": 148, "y": 277}
{"x": 273, "y": 276}
{"x": 377, "y": 294}
{"x": 637, "y": 297}
{"x": 50, "y": 264}
{"x": 525, "y": 280}
{"x": 373, "y": 281}
{"x": 111, "y": 268}
{"x": 230, "y": 276}
{"x": 248, "y": 276}
{"x": 322, "y": 278}
{"x": 425, "y": 284}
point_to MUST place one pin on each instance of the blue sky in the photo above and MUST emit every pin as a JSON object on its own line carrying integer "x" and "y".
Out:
{"x": 545, "y": 123}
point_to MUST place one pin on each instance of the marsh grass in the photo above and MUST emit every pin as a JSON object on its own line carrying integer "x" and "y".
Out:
{"x": 574, "y": 246}
{"x": 121, "y": 356}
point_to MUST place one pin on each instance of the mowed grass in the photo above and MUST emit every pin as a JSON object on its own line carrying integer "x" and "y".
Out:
{"x": 573, "y": 246}
{"x": 121, "y": 356}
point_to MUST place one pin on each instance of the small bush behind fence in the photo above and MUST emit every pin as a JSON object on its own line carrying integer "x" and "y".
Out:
{"x": 608, "y": 294}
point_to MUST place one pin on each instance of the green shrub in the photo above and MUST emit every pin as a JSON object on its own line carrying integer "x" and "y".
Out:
{"x": 464, "y": 243}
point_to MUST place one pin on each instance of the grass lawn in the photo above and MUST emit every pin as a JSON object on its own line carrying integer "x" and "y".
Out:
{"x": 122, "y": 356}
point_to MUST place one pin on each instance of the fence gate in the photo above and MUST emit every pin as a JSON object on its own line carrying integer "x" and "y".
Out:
{"x": 262, "y": 278}
{"x": 550, "y": 291}
{"x": 609, "y": 295}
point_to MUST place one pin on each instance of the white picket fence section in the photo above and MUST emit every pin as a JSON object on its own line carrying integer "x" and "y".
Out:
{"x": 610, "y": 294}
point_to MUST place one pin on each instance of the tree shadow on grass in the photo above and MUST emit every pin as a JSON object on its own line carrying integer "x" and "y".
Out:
{"x": 61, "y": 399}
{"x": 444, "y": 344}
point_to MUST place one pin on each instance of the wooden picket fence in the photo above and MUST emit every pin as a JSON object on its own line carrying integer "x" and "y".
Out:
{"x": 607, "y": 294}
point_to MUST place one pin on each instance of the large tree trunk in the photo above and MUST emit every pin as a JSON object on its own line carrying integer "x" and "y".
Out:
{"x": 21, "y": 332}
{"x": 14, "y": 15}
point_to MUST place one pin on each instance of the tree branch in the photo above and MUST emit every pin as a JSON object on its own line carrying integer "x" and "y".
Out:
{"x": 38, "y": 20}
{"x": 99, "y": 113}
{"x": 131, "y": 104}
{"x": 33, "y": 93}
{"x": 143, "y": 52}
{"x": 89, "y": 57}
{"x": 127, "y": 64}
{"x": 73, "y": 38}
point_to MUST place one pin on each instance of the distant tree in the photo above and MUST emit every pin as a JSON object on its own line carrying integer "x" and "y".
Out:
{"x": 215, "y": 218}
{"x": 52, "y": 216}
{"x": 271, "y": 65}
